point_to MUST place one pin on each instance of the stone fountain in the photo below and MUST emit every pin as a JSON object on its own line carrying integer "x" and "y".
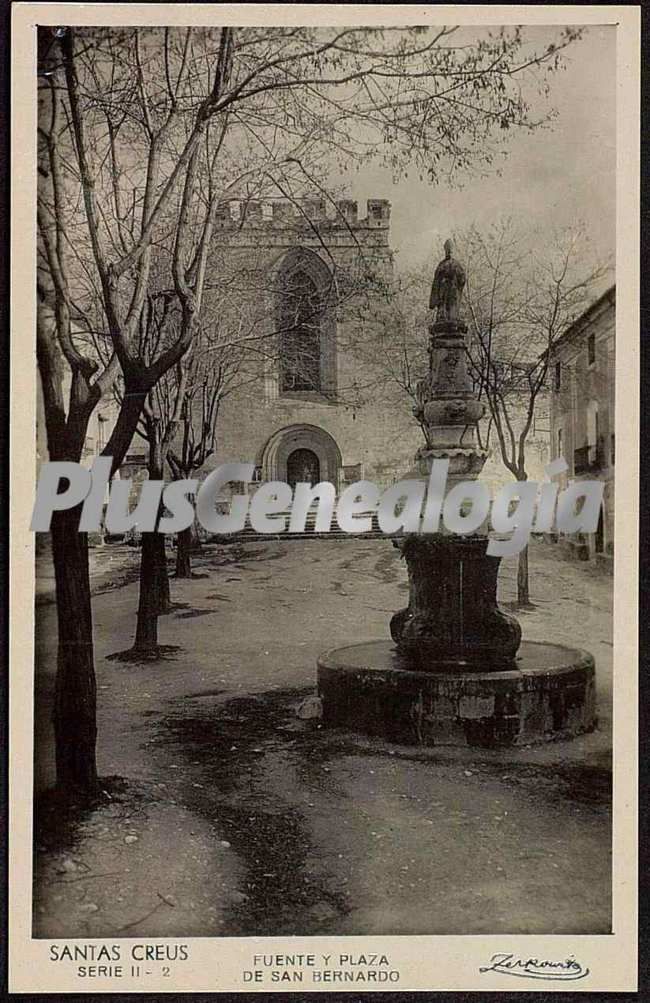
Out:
{"x": 457, "y": 672}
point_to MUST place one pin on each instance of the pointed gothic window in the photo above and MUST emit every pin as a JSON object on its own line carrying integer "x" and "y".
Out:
{"x": 300, "y": 339}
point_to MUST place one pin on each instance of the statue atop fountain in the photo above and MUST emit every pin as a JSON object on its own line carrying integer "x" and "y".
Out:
{"x": 447, "y": 287}
{"x": 447, "y": 407}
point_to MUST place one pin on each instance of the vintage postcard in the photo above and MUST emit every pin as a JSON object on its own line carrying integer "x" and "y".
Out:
{"x": 324, "y": 416}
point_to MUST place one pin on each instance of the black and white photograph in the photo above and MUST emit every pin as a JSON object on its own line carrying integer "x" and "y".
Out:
{"x": 326, "y": 364}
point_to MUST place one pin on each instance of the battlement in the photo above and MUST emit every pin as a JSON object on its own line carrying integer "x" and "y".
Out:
{"x": 306, "y": 212}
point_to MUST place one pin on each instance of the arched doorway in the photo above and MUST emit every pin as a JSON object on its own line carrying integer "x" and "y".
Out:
{"x": 300, "y": 453}
{"x": 303, "y": 467}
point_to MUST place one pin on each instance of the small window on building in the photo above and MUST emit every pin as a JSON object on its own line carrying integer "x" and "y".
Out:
{"x": 591, "y": 349}
{"x": 352, "y": 473}
{"x": 557, "y": 381}
{"x": 559, "y": 443}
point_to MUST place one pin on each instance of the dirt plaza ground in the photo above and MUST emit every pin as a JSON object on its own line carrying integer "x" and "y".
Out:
{"x": 227, "y": 814}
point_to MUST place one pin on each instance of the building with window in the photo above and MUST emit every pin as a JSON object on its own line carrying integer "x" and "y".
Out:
{"x": 312, "y": 283}
{"x": 582, "y": 409}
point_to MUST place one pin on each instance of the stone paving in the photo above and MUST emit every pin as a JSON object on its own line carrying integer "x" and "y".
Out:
{"x": 235, "y": 817}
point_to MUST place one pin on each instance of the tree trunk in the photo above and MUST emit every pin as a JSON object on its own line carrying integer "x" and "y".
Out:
{"x": 125, "y": 426}
{"x": 184, "y": 544}
{"x": 523, "y": 594}
{"x": 154, "y": 580}
{"x": 197, "y": 542}
{"x": 75, "y": 721}
{"x": 146, "y": 633}
{"x": 162, "y": 577}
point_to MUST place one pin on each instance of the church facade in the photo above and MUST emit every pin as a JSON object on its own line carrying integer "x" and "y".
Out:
{"x": 313, "y": 404}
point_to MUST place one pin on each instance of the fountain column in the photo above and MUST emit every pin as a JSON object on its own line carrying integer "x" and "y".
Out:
{"x": 452, "y": 619}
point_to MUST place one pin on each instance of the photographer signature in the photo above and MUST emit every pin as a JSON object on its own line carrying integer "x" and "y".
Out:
{"x": 535, "y": 968}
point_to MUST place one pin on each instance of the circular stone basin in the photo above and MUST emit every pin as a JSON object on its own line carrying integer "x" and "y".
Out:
{"x": 547, "y": 691}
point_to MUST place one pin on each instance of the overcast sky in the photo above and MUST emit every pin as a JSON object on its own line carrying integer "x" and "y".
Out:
{"x": 553, "y": 176}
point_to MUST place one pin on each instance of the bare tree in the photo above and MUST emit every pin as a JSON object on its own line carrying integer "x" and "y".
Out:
{"x": 213, "y": 374}
{"x": 522, "y": 293}
{"x": 389, "y": 339}
{"x": 73, "y": 79}
{"x": 134, "y": 123}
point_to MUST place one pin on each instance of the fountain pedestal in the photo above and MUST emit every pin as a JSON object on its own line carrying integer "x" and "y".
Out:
{"x": 457, "y": 672}
{"x": 452, "y": 619}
